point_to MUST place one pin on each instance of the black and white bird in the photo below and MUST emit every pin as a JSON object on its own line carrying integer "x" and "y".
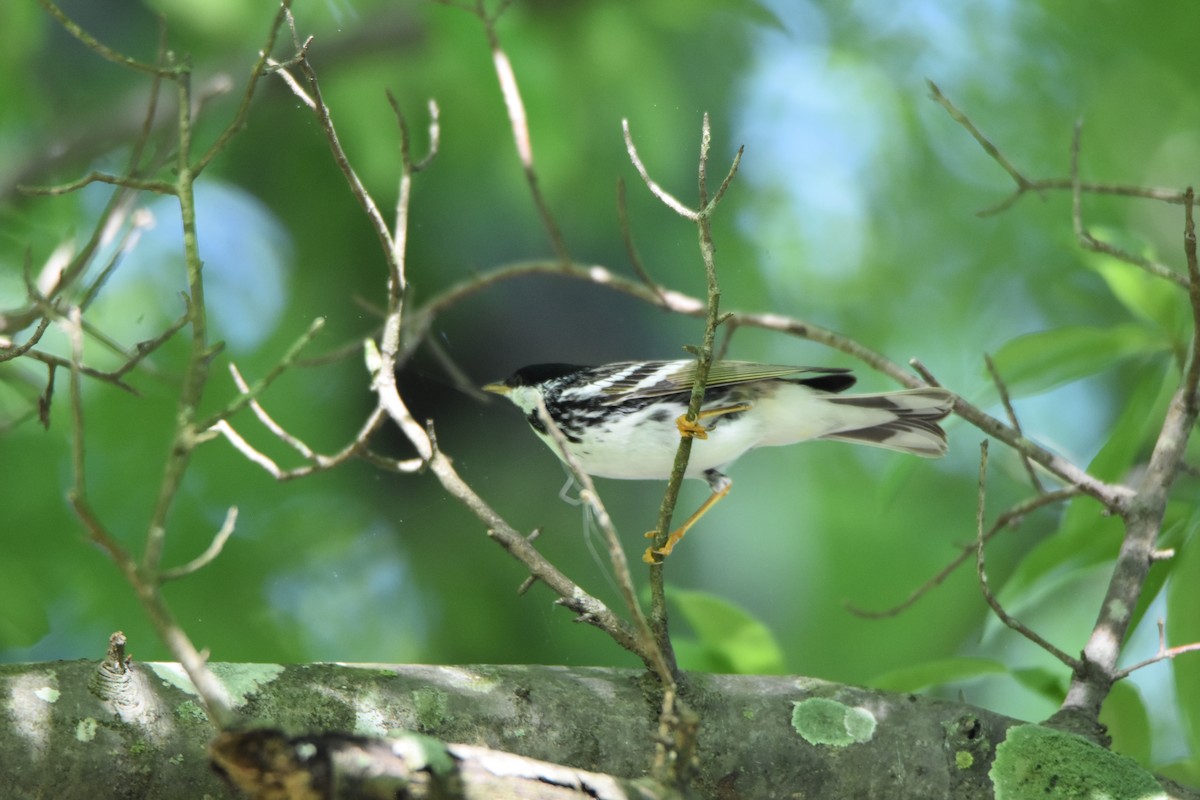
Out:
{"x": 624, "y": 420}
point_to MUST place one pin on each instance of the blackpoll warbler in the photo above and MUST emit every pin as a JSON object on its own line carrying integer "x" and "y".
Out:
{"x": 624, "y": 420}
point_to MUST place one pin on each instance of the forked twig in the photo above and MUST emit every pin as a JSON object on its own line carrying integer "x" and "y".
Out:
{"x": 1025, "y": 185}
{"x": 666, "y": 198}
{"x": 1164, "y": 653}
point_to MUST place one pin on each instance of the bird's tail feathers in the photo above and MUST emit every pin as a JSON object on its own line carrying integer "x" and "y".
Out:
{"x": 913, "y": 427}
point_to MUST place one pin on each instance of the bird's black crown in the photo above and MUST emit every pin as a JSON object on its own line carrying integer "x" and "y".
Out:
{"x": 535, "y": 374}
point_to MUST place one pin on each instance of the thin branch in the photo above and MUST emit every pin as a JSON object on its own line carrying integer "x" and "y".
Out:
{"x": 75, "y": 336}
{"x": 125, "y": 181}
{"x": 1023, "y": 183}
{"x": 1003, "y": 615}
{"x": 408, "y": 169}
{"x": 223, "y": 427}
{"x": 281, "y": 68}
{"x": 631, "y": 251}
{"x": 257, "y": 71}
{"x": 139, "y": 221}
{"x": 665, "y": 197}
{"x": 103, "y": 50}
{"x": 316, "y": 102}
{"x": 1002, "y": 388}
{"x": 91, "y": 372}
{"x": 10, "y": 351}
{"x": 926, "y": 375}
{"x": 461, "y": 380}
{"x": 144, "y": 349}
{"x": 209, "y": 555}
{"x": 711, "y": 206}
{"x": 519, "y": 123}
{"x": 195, "y": 375}
{"x": 1164, "y": 654}
{"x": 1010, "y": 518}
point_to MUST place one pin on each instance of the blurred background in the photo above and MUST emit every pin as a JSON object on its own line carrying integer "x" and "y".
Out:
{"x": 855, "y": 209}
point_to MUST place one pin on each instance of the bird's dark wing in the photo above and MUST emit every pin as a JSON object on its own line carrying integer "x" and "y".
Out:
{"x": 633, "y": 380}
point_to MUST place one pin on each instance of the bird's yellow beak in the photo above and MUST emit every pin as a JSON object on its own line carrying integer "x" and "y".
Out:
{"x": 497, "y": 388}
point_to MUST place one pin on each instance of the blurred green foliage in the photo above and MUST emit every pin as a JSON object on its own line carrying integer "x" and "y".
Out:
{"x": 853, "y": 209}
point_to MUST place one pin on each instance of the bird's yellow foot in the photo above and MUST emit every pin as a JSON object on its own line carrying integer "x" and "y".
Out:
{"x": 656, "y": 555}
{"x": 689, "y": 429}
{"x": 694, "y": 430}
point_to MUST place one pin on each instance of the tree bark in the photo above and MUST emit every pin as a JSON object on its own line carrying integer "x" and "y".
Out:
{"x": 579, "y": 732}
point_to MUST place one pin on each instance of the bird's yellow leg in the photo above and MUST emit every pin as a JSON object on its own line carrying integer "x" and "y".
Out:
{"x": 656, "y": 555}
{"x": 694, "y": 430}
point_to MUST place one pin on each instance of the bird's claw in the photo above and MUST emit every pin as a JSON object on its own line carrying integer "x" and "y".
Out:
{"x": 689, "y": 429}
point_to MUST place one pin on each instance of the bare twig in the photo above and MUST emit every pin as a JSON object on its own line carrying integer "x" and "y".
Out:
{"x": 257, "y": 70}
{"x": 312, "y": 98}
{"x": 1002, "y": 388}
{"x": 266, "y": 419}
{"x": 666, "y": 198}
{"x": 519, "y": 124}
{"x": 925, "y": 373}
{"x": 631, "y": 251}
{"x": 209, "y": 555}
{"x": 1003, "y": 615}
{"x": 317, "y": 462}
{"x": 1012, "y": 517}
{"x": 103, "y": 50}
{"x": 1164, "y": 654}
{"x": 461, "y": 380}
{"x": 10, "y": 351}
{"x": 677, "y": 723}
{"x": 1023, "y": 183}
{"x": 124, "y": 181}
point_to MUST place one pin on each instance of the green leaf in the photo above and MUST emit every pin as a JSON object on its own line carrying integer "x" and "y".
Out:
{"x": 936, "y": 673}
{"x": 1037, "y": 362}
{"x": 1125, "y": 715}
{"x": 728, "y": 638}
